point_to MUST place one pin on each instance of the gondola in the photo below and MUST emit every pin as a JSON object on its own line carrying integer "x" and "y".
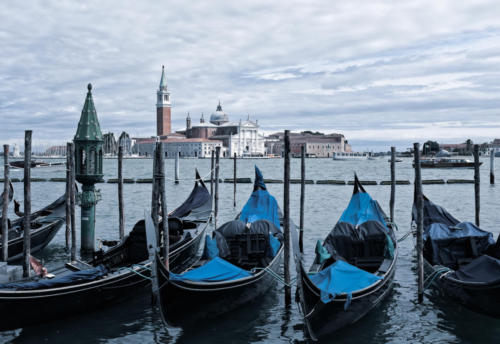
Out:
{"x": 239, "y": 264}
{"x": 461, "y": 260}
{"x": 353, "y": 270}
{"x": 112, "y": 276}
{"x": 45, "y": 223}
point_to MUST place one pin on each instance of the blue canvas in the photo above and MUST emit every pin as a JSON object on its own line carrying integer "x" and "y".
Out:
{"x": 275, "y": 244}
{"x": 211, "y": 249}
{"x": 341, "y": 277}
{"x": 362, "y": 208}
{"x": 261, "y": 206}
{"x": 216, "y": 270}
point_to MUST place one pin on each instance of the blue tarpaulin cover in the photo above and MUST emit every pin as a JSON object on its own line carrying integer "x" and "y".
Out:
{"x": 362, "y": 208}
{"x": 261, "y": 205}
{"x": 70, "y": 279}
{"x": 341, "y": 277}
{"x": 216, "y": 270}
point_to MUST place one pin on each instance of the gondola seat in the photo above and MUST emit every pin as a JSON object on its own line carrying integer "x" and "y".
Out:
{"x": 246, "y": 245}
{"x": 362, "y": 246}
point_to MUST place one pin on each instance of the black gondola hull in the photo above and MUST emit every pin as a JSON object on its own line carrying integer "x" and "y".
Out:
{"x": 483, "y": 298}
{"x": 324, "y": 319}
{"x": 35, "y": 306}
{"x": 184, "y": 302}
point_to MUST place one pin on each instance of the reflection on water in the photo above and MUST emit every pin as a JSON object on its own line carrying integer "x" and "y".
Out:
{"x": 398, "y": 319}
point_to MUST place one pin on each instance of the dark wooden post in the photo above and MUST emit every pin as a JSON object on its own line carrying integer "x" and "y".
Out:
{"x": 476, "y": 182}
{"x": 393, "y": 182}
{"x": 286, "y": 220}
{"x": 420, "y": 222}
{"x": 492, "y": 167}
{"x": 216, "y": 198}
{"x": 177, "y": 166}
{"x": 121, "y": 215}
{"x": 212, "y": 166}
{"x": 5, "y": 205}
{"x": 27, "y": 204}
{"x": 72, "y": 195}
{"x": 234, "y": 181}
{"x": 68, "y": 199}
{"x": 156, "y": 187}
{"x": 302, "y": 195}
{"x": 164, "y": 213}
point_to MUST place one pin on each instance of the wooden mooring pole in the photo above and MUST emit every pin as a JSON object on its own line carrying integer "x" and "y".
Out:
{"x": 234, "y": 180}
{"x": 212, "y": 166}
{"x": 27, "y": 204}
{"x": 5, "y": 205}
{"x": 216, "y": 196}
{"x": 393, "y": 182}
{"x": 419, "y": 200}
{"x": 302, "y": 195}
{"x": 492, "y": 167}
{"x": 68, "y": 199}
{"x": 177, "y": 167}
{"x": 121, "y": 214}
{"x": 286, "y": 220}
{"x": 476, "y": 183}
{"x": 72, "y": 200}
{"x": 156, "y": 188}
{"x": 164, "y": 213}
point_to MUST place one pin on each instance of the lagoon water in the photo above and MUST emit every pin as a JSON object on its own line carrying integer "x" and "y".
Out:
{"x": 398, "y": 320}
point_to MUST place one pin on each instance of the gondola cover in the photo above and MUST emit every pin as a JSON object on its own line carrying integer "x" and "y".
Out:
{"x": 483, "y": 269}
{"x": 216, "y": 270}
{"x": 341, "y": 277}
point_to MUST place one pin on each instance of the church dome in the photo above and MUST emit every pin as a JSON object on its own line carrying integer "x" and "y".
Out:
{"x": 219, "y": 116}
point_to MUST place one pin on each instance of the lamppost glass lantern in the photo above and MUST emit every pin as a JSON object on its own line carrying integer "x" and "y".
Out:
{"x": 88, "y": 164}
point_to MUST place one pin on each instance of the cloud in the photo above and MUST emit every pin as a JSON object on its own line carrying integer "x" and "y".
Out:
{"x": 367, "y": 69}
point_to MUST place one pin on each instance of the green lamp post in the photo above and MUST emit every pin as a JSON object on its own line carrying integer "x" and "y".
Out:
{"x": 88, "y": 165}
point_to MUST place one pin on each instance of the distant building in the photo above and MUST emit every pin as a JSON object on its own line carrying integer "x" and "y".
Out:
{"x": 110, "y": 147}
{"x": 56, "y": 151}
{"x": 495, "y": 145}
{"x": 317, "y": 145}
{"x": 163, "y": 107}
{"x": 192, "y": 148}
{"x": 126, "y": 142}
{"x": 241, "y": 138}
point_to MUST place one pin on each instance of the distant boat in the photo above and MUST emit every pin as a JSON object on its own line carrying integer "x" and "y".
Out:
{"x": 34, "y": 164}
{"x": 351, "y": 156}
{"x": 446, "y": 163}
{"x": 395, "y": 160}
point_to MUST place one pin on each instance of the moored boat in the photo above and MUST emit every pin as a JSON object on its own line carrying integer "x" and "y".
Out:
{"x": 446, "y": 163}
{"x": 351, "y": 156}
{"x": 461, "y": 260}
{"x": 44, "y": 224}
{"x": 353, "y": 270}
{"x": 116, "y": 275}
{"x": 240, "y": 263}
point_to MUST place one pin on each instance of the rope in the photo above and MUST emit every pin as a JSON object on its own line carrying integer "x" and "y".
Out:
{"x": 137, "y": 272}
{"x": 438, "y": 273}
{"x": 405, "y": 236}
{"x": 276, "y": 276}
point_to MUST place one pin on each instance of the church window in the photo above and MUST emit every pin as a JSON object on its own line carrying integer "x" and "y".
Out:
{"x": 166, "y": 97}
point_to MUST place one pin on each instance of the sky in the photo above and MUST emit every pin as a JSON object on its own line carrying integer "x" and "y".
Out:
{"x": 381, "y": 72}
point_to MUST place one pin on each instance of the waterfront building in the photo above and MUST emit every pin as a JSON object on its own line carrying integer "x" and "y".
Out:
{"x": 187, "y": 147}
{"x": 126, "y": 142}
{"x": 110, "y": 147}
{"x": 56, "y": 151}
{"x": 241, "y": 138}
{"x": 318, "y": 145}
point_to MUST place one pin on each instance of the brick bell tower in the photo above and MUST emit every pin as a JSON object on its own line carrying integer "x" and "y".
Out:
{"x": 163, "y": 107}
